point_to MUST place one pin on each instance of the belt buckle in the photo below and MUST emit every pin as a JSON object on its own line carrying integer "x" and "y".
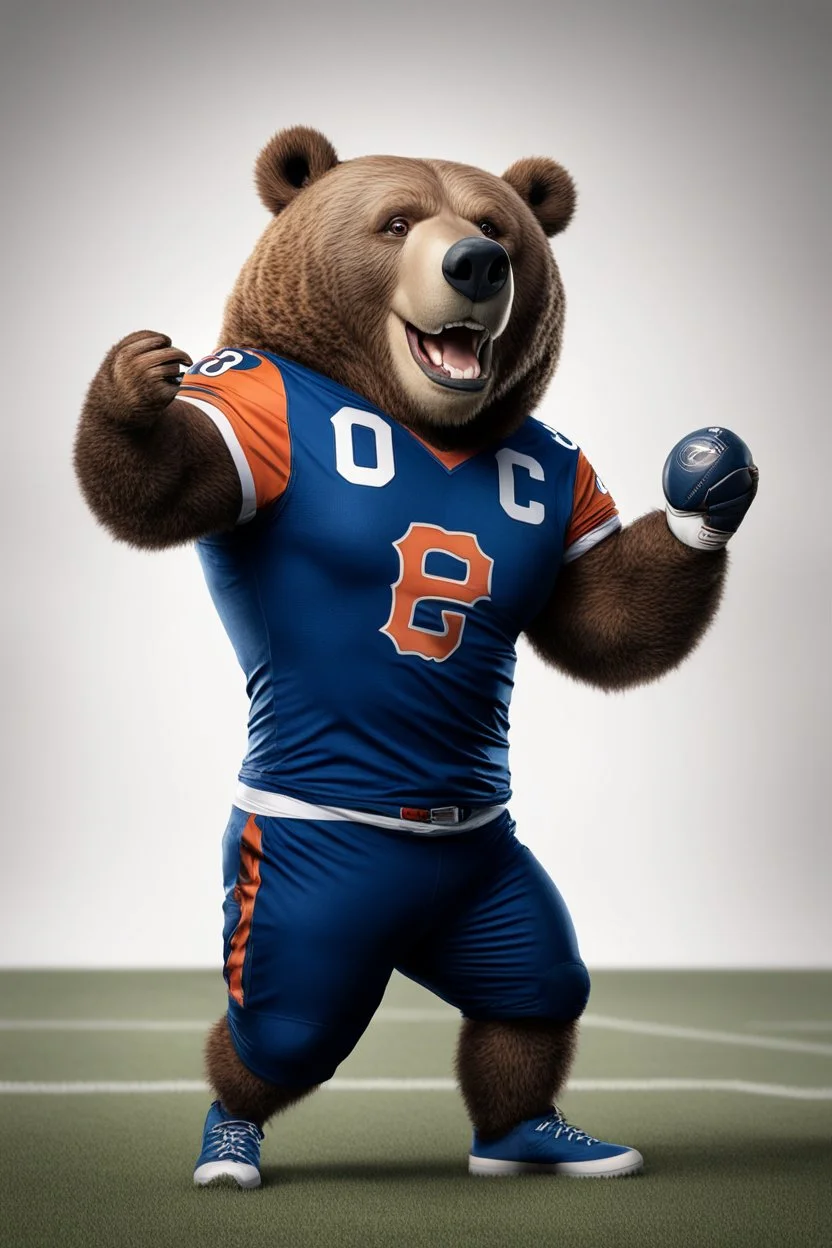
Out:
{"x": 445, "y": 815}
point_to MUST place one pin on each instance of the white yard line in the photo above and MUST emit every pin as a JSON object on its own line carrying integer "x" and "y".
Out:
{"x": 389, "y": 1014}
{"x": 600, "y": 1085}
{"x": 636, "y": 1028}
{"x": 102, "y": 1024}
{"x": 402, "y": 1015}
{"x": 169, "y": 1086}
{"x": 808, "y": 1025}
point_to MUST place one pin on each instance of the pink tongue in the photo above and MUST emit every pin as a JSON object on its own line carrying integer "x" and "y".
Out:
{"x": 456, "y": 348}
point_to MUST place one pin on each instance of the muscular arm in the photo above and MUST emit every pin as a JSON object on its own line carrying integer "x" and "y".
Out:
{"x": 155, "y": 472}
{"x": 631, "y": 608}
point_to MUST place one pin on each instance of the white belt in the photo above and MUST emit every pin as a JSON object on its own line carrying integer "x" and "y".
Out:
{"x": 436, "y": 822}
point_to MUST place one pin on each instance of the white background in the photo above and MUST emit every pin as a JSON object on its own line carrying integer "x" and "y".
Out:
{"x": 687, "y": 823}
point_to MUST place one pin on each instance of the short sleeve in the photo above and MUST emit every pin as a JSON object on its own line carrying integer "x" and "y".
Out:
{"x": 594, "y": 514}
{"x": 243, "y": 393}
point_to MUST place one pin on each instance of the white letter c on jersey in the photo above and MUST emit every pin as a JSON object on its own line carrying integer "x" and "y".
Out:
{"x": 507, "y": 461}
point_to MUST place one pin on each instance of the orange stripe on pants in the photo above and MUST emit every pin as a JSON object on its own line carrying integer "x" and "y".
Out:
{"x": 248, "y": 882}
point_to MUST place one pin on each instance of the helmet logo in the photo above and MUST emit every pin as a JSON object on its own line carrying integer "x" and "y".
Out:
{"x": 699, "y": 453}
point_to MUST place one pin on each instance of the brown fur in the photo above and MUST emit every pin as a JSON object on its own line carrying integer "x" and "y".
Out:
{"x": 317, "y": 290}
{"x": 241, "y": 1091}
{"x": 318, "y": 284}
{"x": 513, "y": 1070}
{"x": 548, "y": 190}
{"x": 155, "y": 472}
{"x": 631, "y": 608}
{"x": 290, "y": 161}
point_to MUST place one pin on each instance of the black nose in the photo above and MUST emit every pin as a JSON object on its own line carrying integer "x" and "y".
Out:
{"x": 476, "y": 267}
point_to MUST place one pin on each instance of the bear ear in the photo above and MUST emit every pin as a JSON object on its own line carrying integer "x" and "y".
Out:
{"x": 546, "y": 188}
{"x": 290, "y": 161}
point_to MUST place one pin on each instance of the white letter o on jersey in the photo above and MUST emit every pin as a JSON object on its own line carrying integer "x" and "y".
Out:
{"x": 343, "y": 423}
{"x": 507, "y": 461}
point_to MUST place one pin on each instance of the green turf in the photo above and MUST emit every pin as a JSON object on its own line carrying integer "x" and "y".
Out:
{"x": 389, "y": 1169}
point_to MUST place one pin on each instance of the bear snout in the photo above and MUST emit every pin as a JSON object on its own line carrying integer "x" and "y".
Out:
{"x": 477, "y": 267}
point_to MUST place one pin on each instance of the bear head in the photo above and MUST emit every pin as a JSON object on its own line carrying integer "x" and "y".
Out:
{"x": 426, "y": 286}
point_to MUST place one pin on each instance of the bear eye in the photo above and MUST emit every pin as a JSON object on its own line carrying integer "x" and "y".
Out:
{"x": 489, "y": 229}
{"x": 398, "y": 226}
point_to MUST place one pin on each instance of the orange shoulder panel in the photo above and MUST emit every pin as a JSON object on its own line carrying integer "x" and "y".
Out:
{"x": 591, "y": 506}
{"x": 253, "y": 402}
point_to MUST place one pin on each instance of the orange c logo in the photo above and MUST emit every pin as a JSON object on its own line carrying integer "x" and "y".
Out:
{"x": 415, "y": 585}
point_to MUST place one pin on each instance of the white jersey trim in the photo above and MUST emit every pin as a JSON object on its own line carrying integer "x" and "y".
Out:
{"x": 592, "y": 538}
{"x": 261, "y": 802}
{"x": 249, "y": 507}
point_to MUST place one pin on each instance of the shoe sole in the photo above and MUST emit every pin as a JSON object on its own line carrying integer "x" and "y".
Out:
{"x": 619, "y": 1167}
{"x": 226, "y": 1174}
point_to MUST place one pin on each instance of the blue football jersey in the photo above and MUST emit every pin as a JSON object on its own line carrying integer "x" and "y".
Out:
{"x": 375, "y": 587}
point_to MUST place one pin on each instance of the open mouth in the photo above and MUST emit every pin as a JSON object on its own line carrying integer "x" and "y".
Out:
{"x": 457, "y": 355}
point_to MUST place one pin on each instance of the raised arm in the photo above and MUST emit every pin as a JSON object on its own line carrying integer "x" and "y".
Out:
{"x": 155, "y": 471}
{"x": 634, "y": 605}
{"x": 631, "y": 608}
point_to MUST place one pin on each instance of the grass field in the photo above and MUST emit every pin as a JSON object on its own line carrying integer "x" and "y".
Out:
{"x": 722, "y": 1080}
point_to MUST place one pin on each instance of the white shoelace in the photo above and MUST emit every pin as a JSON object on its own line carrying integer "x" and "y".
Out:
{"x": 558, "y": 1126}
{"x": 234, "y": 1136}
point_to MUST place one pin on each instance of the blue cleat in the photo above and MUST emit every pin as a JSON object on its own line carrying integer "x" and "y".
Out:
{"x": 550, "y": 1145}
{"x": 230, "y": 1150}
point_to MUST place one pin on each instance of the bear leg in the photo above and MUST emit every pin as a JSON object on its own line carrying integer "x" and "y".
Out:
{"x": 239, "y": 1089}
{"x": 513, "y": 1069}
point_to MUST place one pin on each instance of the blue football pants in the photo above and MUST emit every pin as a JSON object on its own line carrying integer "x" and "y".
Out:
{"x": 318, "y": 914}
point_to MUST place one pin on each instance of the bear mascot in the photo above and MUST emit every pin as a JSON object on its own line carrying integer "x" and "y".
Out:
{"x": 379, "y": 516}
